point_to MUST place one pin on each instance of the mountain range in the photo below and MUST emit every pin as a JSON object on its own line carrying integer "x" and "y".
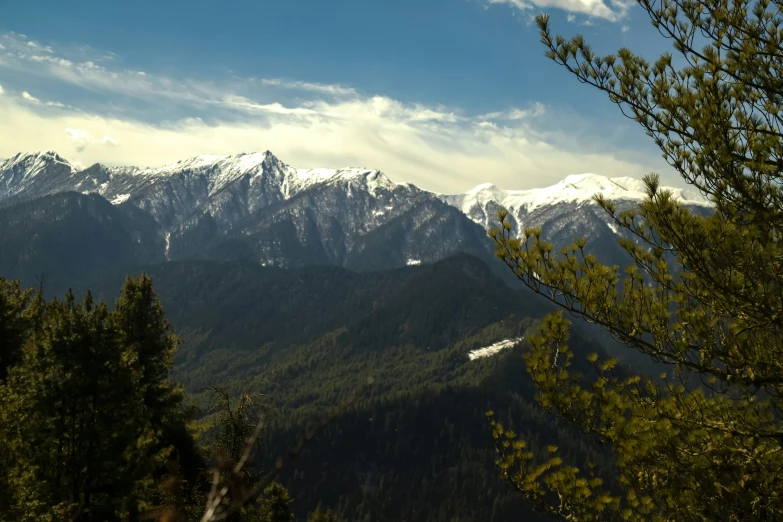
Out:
{"x": 256, "y": 208}
{"x": 305, "y": 282}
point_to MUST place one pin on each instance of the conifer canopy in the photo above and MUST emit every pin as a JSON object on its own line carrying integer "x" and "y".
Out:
{"x": 701, "y": 296}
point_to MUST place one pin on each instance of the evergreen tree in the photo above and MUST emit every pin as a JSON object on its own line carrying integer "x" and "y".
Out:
{"x": 275, "y": 504}
{"x": 76, "y": 414}
{"x": 703, "y": 294}
{"x": 144, "y": 331}
{"x": 15, "y": 320}
{"x": 89, "y": 417}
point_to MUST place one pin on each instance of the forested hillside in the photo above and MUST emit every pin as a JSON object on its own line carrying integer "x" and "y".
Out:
{"x": 416, "y": 445}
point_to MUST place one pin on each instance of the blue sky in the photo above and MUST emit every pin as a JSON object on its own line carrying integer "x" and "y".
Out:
{"x": 446, "y": 94}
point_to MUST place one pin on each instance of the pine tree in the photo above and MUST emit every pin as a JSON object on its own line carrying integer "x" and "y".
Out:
{"x": 702, "y": 295}
{"x": 145, "y": 333}
{"x": 73, "y": 395}
{"x": 90, "y": 419}
{"x": 144, "y": 330}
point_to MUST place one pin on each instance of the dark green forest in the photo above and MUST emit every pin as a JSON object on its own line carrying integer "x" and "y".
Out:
{"x": 413, "y": 444}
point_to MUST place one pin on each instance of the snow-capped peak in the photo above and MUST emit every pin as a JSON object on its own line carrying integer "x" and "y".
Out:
{"x": 580, "y": 188}
{"x": 33, "y": 163}
{"x": 484, "y": 187}
{"x": 225, "y": 169}
{"x": 26, "y": 171}
{"x": 24, "y": 157}
{"x": 481, "y": 202}
{"x": 241, "y": 162}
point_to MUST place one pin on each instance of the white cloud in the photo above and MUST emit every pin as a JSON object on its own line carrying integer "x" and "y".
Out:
{"x": 1, "y": 89}
{"x": 438, "y": 148}
{"x": 29, "y": 97}
{"x": 38, "y": 47}
{"x": 434, "y": 155}
{"x": 594, "y": 8}
{"x": 32, "y": 99}
{"x": 109, "y": 141}
{"x": 82, "y": 138}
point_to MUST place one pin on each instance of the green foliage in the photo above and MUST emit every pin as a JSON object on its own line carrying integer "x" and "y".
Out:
{"x": 236, "y": 432}
{"x": 234, "y": 426}
{"x": 275, "y": 504}
{"x": 16, "y": 318}
{"x": 88, "y": 415}
{"x": 322, "y": 516}
{"x": 702, "y": 295}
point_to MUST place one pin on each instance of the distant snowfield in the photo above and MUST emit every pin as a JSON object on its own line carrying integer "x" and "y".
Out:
{"x": 492, "y": 349}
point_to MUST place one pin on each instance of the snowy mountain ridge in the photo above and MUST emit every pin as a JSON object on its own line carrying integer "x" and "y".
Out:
{"x": 254, "y": 206}
{"x": 221, "y": 171}
{"x": 481, "y": 202}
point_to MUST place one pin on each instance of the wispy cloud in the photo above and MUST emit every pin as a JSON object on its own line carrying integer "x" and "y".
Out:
{"x": 335, "y": 90}
{"x": 614, "y": 10}
{"x": 537, "y": 109}
{"x": 440, "y": 148}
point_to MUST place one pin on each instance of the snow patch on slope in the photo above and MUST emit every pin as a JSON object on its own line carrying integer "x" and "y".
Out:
{"x": 492, "y": 349}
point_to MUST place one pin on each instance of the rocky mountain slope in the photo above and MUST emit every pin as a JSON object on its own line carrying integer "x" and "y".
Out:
{"x": 254, "y": 207}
